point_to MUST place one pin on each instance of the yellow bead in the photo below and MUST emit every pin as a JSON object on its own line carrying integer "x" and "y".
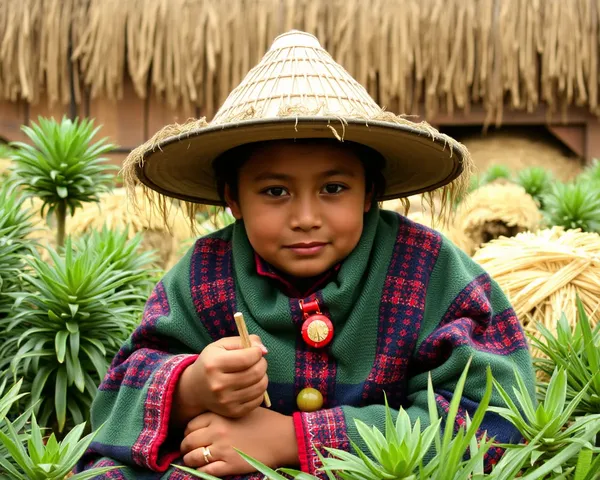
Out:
{"x": 309, "y": 400}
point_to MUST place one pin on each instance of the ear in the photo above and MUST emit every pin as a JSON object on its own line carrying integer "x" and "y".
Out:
{"x": 368, "y": 200}
{"x": 232, "y": 204}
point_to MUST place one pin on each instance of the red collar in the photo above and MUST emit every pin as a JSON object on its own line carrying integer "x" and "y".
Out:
{"x": 287, "y": 283}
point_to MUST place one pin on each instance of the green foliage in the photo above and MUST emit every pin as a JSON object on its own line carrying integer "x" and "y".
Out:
{"x": 577, "y": 352}
{"x": 591, "y": 173}
{"x": 62, "y": 167}
{"x": 29, "y": 457}
{"x": 496, "y": 172}
{"x": 67, "y": 329}
{"x": 15, "y": 225}
{"x": 126, "y": 255}
{"x": 573, "y": 205}
{"x": 536, "y": 181}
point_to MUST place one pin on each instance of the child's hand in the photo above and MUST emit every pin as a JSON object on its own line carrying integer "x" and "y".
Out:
{"x": 265, "y": 435}
{"x": 227, "y": 379}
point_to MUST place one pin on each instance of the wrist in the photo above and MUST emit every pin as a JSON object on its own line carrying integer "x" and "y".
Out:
{"x": 187, "y": 401}
{"x": 287, "y": 443}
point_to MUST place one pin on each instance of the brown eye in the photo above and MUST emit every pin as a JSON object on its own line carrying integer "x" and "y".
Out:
{"x": 333, "y": 188}
{"x": 276, "y": 191}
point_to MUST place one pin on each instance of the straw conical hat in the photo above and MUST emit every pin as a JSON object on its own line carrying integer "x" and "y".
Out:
{"x": 296, "y": 91}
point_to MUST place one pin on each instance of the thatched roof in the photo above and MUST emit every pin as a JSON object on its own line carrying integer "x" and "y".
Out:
{"x": 443, "y": 54}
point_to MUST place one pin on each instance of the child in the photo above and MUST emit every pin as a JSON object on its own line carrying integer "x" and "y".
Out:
{"x": 345, "y": 301}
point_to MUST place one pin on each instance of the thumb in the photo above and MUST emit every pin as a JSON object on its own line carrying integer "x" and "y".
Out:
{"x": 235, "y": 343}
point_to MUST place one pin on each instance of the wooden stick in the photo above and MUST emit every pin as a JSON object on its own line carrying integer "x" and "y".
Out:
{"x": 243, "y": 332}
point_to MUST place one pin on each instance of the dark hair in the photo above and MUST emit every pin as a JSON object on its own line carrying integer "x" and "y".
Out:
{"x": 228, "y": 164}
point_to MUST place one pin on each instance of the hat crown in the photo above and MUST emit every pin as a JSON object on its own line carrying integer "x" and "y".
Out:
{"x": 297, "y": 77}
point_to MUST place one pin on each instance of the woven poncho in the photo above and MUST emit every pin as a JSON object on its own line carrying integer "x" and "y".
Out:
{"x": 405, "y": 303}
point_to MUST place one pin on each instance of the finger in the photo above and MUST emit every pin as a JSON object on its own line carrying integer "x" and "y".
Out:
{"x": 247, "y": 378}
{"x": 194, "y": 441}
{"x": 201, "y": 421}
{"x": 238, "y": 360}
{"x": 218, "y": 469}
{"x": 195, "y": 458}
{"x": 235, "y": 343}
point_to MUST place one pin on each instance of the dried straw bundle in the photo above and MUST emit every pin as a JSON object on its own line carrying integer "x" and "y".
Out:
{"x": 192, "y": 52}
{"x": 543, "y": 272}
{"x": 114, "y": 211}
{"x": 522, "y": 149}
{"x": 496, "y": 210}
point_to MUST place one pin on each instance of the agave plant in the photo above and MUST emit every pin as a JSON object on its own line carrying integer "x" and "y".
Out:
{"x": 577, "y": 352}
{"x": 573, "y": 205}
{"x": 46, "y": 459}
{"x": 126, "y": 255}
{"x": 62, "y": 166}
{"x": 536, "y": 181}
{"x": 69, "y": 328}
{"x": 557, "y": 440}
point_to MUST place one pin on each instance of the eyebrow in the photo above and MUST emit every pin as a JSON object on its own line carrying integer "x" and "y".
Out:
{"x": 263, "y": 176}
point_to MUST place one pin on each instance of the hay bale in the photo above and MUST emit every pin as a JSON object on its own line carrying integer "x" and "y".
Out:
{"x": 542, "y": 272}
{"x": 115, "y": 211}
{"x": 520, "y": 149}
{"x": 496, "y": 210}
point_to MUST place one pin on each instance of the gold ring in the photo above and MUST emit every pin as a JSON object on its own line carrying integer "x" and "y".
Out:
{"x": 206, "y": 453}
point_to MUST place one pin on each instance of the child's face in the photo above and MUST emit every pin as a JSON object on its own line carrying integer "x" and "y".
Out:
{"x": 302, "y": 205}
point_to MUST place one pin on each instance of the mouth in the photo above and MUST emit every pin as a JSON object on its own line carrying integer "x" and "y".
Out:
{"x": 308, "y": 248}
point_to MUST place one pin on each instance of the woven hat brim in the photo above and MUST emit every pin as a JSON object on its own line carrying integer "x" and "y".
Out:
{"x": 417, "y": 160}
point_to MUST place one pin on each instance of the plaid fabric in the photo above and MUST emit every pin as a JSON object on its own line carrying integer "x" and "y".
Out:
{"x": 389, "y": 308}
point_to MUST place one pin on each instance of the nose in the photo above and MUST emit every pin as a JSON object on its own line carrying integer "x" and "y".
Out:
{"x": 306, "y": 213}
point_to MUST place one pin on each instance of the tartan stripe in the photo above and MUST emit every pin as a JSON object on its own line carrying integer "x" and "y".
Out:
{"x": 212, "y": 286}
{"x": 157, "y": 410}
{"x": 144, "y": 341}
{"x": 323, "y": 428}
{"x": 469, "y": 321}
{"x": 105, "y": 462}
{"x": 401, "y": 311}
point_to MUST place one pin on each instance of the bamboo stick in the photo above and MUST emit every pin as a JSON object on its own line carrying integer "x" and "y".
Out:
{"x": 243, "y": 332}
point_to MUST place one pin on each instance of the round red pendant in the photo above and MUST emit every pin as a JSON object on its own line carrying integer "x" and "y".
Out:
{"x": 317, "y": 330}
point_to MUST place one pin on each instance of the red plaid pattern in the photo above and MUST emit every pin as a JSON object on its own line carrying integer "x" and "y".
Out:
{"x": 324, "y": 428}
{"x": 157, "y": 412}
{"x": 148, "y": 347}
{"x": 212, "y": 286}
{"x": 470, "y": 321}
{"x": 401, "y": 310}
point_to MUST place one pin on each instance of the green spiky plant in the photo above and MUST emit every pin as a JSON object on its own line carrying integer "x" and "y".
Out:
{"x": 127, "y": 255}
{"x": 62, "y": 166}
{"x": 68, "y": 327}
{"x": 536, "y": 181}
{"x": 557, "y": 437}
{"x": 577, "y": 351}
{"x": 15, "y": 225}
{"x": 573, "y": 205}
{"x": 28, "y": 456}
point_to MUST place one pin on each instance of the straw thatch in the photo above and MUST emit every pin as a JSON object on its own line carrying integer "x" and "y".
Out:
{"x": 195, "y": 51}
{"x": 496, "y": 210}
{"x": 519, "y": 148}
{"x": 543, "y": 273}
